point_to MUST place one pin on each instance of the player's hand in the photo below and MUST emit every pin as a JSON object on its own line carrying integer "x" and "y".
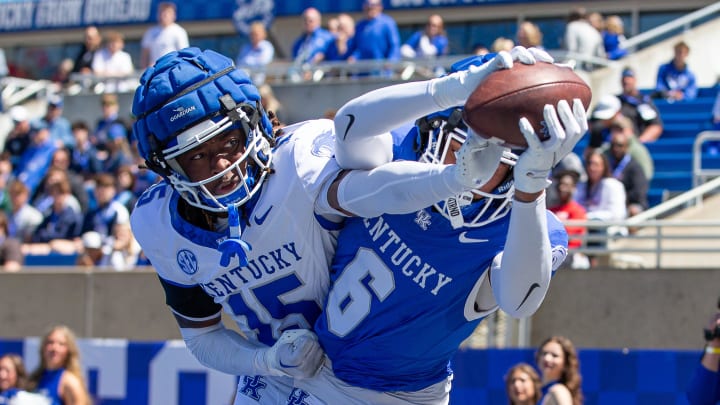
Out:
{"x": 296, "y": 354}
{"x": 476, "y": 161}
{"x": 452, "y": 90}
{"x": 565, "y": 127}
{"x": 530, "y": 56}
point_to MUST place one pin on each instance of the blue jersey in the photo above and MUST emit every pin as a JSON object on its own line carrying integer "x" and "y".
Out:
{"x": 406, "y": 285}
{"x": 49, "y": 385}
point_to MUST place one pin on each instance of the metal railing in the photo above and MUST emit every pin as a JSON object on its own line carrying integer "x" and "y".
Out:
{"x": 682, "y": 22}
{"x": 700, "y": 174}
{"x": 16, "y": 90}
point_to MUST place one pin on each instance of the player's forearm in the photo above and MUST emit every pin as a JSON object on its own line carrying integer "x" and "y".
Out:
{"x": 382, "y": 110}
{"x": 222, "y": 349}
{"x": 524, "y": 276}
{"x": 396, "y": 188}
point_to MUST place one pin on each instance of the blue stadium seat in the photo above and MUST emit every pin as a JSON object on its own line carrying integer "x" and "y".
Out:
{"x": 52, "y": 259}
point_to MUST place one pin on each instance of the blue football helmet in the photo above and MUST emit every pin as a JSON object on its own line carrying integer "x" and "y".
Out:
{"x": 189, "y": 97}
{"x": 434, "y": 134}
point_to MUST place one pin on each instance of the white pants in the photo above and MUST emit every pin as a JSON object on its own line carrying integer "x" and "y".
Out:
{"x": 256, "y": 389}
{"x": 326, "y": 389}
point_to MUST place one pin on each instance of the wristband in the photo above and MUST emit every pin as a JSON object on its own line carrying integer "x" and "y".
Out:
{"x": 712, "y": 350}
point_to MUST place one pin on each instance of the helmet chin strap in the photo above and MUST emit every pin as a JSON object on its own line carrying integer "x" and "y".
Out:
{"x": 233, "y": 245}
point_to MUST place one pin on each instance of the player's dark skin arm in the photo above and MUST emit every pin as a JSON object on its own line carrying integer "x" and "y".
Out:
{"x": 527, "y": 197}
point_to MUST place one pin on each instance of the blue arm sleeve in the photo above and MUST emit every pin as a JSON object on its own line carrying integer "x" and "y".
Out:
{"x": 704, "y": 388}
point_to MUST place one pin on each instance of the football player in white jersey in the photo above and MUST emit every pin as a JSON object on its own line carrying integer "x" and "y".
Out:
{"x": 407, "y": 289}
{"x": 246, "y": 218}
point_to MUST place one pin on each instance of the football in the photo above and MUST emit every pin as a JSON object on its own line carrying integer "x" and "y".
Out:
{"x": 494, "y": 109}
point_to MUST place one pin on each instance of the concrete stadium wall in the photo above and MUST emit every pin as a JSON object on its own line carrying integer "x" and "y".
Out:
{"x": 613, "y": 308}
{"x": 598, "y": 308}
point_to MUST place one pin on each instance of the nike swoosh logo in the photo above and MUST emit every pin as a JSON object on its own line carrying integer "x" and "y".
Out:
{"x": 350, "y": 124}
{"x": 532, "y": 287}
{"x": 260, "y": 219}
{"x": 465, "y": 239}
{"x": 285, "y": 365}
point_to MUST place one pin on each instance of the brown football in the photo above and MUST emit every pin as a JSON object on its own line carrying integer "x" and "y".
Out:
{"x": 494, "y": 109}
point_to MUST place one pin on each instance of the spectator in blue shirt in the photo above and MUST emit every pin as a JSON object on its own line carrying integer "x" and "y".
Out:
{"x": 675, "y": 81}
{"x": 704, "y": 388}
{"x": 257, "y": 53}
{"x": 110, "y": 127}
{"x": 35, "y": 161}
{"x": 376, "y": 36}
{"x": 429, "y": 42}
{"x": 339, "y": 48}
{"x": 310, "y": 46}
{"x": 613, "y": 37}
{"x": 62, "y": 221}
{"x": 83, "y": 157}
{"x": 59, "y": 126}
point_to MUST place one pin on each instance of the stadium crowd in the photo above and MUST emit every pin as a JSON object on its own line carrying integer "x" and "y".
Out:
{"x": 85, "y": 150}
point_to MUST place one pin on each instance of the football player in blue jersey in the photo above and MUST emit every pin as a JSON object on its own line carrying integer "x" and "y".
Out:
{"x": 246, "y": 218}
{"x": 407, "y": 289}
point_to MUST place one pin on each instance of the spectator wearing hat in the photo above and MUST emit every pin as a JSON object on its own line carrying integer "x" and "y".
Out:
{"x": 606, "y": 110}
{"x": 675, "y": 80}
{"x": 110, "y": 127}
{"x": 58, "y": 126}
{"x": 93, "y": 252}
{"x": 18, "y": 139}
{"x": 639, "y": 108}
{"x": 35, "y": 161}
{"x": 625, "y": 168}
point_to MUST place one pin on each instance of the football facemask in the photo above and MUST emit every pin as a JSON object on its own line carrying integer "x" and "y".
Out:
{"x": 474, "y": 208}
{"x": 188, "y": 98}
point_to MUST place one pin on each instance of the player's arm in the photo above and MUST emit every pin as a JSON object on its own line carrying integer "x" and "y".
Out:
{"x": 296, "y": 354}
{"x": 363, "y": 125}
{"x": 407, "y": 186}
{"x": 523, "y": 277}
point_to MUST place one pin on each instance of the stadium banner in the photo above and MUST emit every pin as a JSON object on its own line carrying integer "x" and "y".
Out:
{"x": 121, "y": 372}
{"x": 25, "y": 15}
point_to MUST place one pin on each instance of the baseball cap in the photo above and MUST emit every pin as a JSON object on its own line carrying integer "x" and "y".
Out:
{"x": 606, "y": 107}
{"x": 19, "y": 113}
{"x": 92, "y": 240}
{"x": 55, "y": 101}
{"x": 628, "y": 72}
{"x": 372, "y": 2}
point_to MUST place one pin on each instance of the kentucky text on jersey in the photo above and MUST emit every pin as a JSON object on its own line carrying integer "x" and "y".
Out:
{"x": 411, "y": 265}
{"x": 264, "y": 264}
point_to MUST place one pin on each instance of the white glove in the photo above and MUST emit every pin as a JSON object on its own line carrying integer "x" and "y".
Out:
{"x": 476, "y": 161}
{"x": 534, "y": 164}
{"x": 296, "y": 354}
{"x": 452, "y": 90}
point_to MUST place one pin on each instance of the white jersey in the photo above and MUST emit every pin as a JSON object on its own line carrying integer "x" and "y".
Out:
{"x": 286, "y": 280}
{"x": 161, "y": 40}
